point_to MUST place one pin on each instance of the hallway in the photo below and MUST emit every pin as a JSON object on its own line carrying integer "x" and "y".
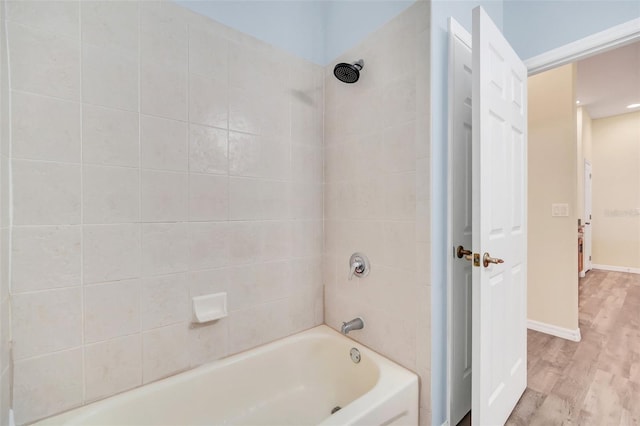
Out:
{"x": 595, "y": 381}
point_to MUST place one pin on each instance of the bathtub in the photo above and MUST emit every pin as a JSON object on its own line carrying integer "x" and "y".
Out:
{"x": 298, "y": 380}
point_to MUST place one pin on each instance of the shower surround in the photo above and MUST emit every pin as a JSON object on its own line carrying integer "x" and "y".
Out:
{"x": 158, "y": 155}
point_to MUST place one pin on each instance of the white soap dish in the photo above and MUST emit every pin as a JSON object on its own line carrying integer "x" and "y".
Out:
{"x": 209, "y": 307}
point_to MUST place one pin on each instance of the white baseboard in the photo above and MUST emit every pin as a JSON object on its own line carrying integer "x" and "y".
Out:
{"x": 554, "y": 330}
{"x": 617, "y": 268}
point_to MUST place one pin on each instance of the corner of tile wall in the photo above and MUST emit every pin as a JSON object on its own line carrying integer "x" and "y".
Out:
{"x": 377, "y": 194}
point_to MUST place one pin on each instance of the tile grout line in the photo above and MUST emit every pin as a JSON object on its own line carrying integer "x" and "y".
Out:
{"x": 139, "y": 113}
{"x": 82, "y": 241}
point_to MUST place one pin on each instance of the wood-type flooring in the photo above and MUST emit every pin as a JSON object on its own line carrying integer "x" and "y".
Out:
{"x": 595, "y": 381}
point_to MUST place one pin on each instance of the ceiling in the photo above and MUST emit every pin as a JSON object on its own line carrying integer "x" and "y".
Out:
{"x": 608, "y": 82}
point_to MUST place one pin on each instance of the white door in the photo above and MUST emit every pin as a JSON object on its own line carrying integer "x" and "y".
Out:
{"x": 460, "y": 177}
{"x": 499, "y": 346}
{"x": 587, "y": 264}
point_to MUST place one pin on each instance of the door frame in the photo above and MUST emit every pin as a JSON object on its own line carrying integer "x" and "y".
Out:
{"x": 587, "y": 263}
{"x": 600, "y": 42}
{"x": 459, "y": 32}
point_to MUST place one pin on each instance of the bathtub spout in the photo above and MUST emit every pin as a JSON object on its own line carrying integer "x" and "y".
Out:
{"x": 354, "y": 324}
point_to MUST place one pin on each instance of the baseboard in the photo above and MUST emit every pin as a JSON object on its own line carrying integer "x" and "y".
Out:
{"x": 617, "y": 268}
{"x": 554, "y": 330}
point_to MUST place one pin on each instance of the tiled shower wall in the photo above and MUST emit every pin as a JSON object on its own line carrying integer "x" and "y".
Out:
{"x": 377, "y": 194}
{"x": 156, "y": 155}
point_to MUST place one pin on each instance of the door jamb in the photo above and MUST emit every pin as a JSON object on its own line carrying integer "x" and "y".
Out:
{"x": 611, "y": 38}
{"x": 458, "y": 31}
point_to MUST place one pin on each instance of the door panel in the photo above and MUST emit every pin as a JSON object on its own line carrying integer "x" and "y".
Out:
{"x": 499, "y": 224}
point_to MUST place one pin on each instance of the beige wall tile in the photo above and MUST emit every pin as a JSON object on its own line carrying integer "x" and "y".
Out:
{"x": 110, "y": 24}
{"x": 209, "y": 281}
{"x": 110, "y": 77}
{"x": 165, "y": 351}
{"x": 257, "y": 284}
{"x": 110, "y": 194}
{"x": 109, "y": 136}
{"x": 208, "y": 53}
{"x": 43, "y": 63}
{"x": 245, "y": 242}
{"x": 47, "y": 385}
{"x": 244, "y": 113}
{"x": 208, "y": 197}
{"x": 165, "y": 248}
{"x": 165, "y": 300}
{"x": 5, "y": 334}
{"x": 208, "y": 101}
{"x": 111, "y": 252}
{"x": 164, "y": 196}
{"x": 258, "y": 324}
{"x": 111, "y": 310}
{"x": 251, "y": 199}
{"x": 60, "y": 18}
{"x": 46, "y": 321}
{"x": 163, "y": 90}
{"x": 5, "y": 394}
{"x": 163, "y": 144}
{"x": 208, "y": 342}
{"x": 208, "y": 245}
{"x": 112, "y": 366}
{"x": 207, "y": 150}
{"x": 163, "y": 35}
{"x": 45, "y": 257}
{"x": 46, "y": 193}
{"x": 45, "y": 128}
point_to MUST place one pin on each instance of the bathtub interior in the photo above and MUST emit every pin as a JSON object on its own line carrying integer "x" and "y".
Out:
{"x": 294, "y": 383}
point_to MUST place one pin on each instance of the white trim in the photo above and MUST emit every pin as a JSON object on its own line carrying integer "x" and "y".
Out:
{"x": 617, "y": 268}
{"x": 446, "y": 423}
{"x": 554, "y": 330}
{"x": 608, "y": 39}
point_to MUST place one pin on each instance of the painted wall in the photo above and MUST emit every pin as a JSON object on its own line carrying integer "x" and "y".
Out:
{"x": 552, "y": 242}
{"x": 297, "y": 27}
{"x": 318, "y": 31}
{"x": 347, "y": 23}
{"x": 185, "y": 158}
{"x": 377, "y": 195}
{"x": 5, "y": 308}
{"x": 534, "y": 27}
{"x": 616, "y": 191}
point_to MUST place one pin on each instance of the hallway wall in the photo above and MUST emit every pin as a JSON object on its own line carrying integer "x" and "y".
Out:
{"x": 552, "y": 242}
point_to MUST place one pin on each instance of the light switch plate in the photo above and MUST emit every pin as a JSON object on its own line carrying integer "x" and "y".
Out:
{"x": 560, "y": 210}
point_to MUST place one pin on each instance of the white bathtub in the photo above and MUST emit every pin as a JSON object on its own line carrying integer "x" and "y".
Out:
{"x": 294, "y": 381}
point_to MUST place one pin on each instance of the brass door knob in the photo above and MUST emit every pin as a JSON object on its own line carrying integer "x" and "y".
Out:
{"x": 487, "y": 259}
{"x": 461, "y": 252}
